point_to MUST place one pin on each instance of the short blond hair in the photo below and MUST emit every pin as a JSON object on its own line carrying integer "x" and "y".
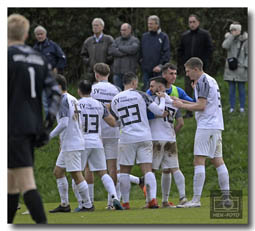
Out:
{"x": 18, "y": 27}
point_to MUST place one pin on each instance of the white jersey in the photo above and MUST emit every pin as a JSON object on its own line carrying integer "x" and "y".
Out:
{"x": 211, "y": 117}
{"x": 71, "y": 138}
{"x": 104, "y": 92}
{"x": 130, "y": 106}
{"x": 162, "y": 129}
{"x": 92, "y": 111}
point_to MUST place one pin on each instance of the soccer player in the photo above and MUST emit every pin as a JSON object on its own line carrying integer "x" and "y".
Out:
{"x": 208, "y": 141}
{"x": 92, "y": 111}
{"x": 165, "y": 153}
{"x": 72, "y": 147}
{"x": 104, "y": 91}
{"x": 130, "y": 107}
{"x": 28, "y": 75}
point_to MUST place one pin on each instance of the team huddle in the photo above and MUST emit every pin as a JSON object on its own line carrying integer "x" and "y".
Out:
{"x": 106, "y": 131}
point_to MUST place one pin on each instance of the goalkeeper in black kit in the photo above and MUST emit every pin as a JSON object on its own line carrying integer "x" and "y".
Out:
{"x": 28, "y": 75}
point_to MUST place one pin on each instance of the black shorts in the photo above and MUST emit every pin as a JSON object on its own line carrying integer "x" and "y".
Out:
{"x": 20, "y": 151}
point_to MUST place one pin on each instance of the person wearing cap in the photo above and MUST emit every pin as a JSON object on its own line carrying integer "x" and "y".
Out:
{"x": 236, "y": 45}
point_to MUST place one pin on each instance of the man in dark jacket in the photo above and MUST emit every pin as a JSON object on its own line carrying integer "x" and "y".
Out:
{"x": 125, "y": 51}
{"x": 53, "y": 53}
{"x": 51, "y": 50}
{"x": 155, "y": 50}
{"x": 195, "y": 42}
{"x": 95, "y": 49}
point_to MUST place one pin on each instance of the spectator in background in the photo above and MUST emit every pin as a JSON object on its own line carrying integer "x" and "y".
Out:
{"x": 95, "y": 49}
{"x": 195, "y": 42}
{"x": 53, "y": 53}
{"x": 155, "y": 50}
{"x": 237, "y": 46}
{"x": 51, "y": 50}
{"x": 125, "y": 54}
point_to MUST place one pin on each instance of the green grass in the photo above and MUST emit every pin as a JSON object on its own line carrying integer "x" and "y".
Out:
{"x": 136, "y": 215}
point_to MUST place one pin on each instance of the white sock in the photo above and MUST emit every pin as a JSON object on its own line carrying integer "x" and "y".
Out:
{"x": 150, "y": 182}
{"x": 180, "y": 182}
{"x": 91, "y": 192}
{"x": 124, "y": 186}
{"x": 109, "y": 186}
{"x": 223, "y": 177}
{"x": 166, "y": 179}
{"x": 110, "y": 202}
{"x": 198, "y": 182}
{"x": 134, "y": 179}
{"x": 76, "y": 193}
{"x": 84, "y": 192}
{"x": 62, "y": 185}
{"x": 118, "y": 187}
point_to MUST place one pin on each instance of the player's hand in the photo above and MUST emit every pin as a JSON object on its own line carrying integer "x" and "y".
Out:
{"x": 193, "y": 84}
{"x": 165, "y": 114}
{"x": 178, "y": 104}
{"x": 161, "y": 94}
{"x": 174, "y": 98}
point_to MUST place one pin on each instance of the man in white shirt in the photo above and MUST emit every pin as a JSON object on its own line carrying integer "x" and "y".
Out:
{"x": 92, "y": 112}
{"x": 72, "y": 146}
{"x": 165, "y": 154}
{"x": 130, "y": 107}
{"x": 208, "y": 141}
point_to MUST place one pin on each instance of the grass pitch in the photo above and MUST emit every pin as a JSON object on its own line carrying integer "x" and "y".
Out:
{"x": 136, "y": 215}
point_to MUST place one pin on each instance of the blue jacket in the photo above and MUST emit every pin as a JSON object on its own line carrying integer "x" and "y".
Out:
{"x": 53, "y": 53}
{"x": 155, "y": 50}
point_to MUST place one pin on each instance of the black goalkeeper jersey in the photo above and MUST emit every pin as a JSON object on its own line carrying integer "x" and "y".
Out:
{"x": 28, "y": 75}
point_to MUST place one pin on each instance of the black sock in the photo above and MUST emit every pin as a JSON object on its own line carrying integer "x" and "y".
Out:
{"x": 34, "y": 204}
{"x": 13, "y": 201}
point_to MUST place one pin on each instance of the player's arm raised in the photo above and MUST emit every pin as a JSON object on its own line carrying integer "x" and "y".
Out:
{"x": 155, "y": 108}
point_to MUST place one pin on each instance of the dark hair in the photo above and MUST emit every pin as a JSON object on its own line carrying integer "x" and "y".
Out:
{"x": 168, "y": 65}
{"x": 85, "y": 87}
{"x": 61, "y": 80}
{"x": 194, "y": 62}
{"x": 128, "y": 77}
{"x": 195, "y": 16}
{"x": 102, "y": 69}
{"x": 159, "y": 79}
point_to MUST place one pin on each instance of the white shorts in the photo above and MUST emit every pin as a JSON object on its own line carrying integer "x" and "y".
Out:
{"x": 165, "y": 155}
{"x": 95, "y": 157}
{"x": 71, "y": 161}
{"x": 140, "y": 152}
{"x": 208, "y": 142}
{"x": 110, "y": 148}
